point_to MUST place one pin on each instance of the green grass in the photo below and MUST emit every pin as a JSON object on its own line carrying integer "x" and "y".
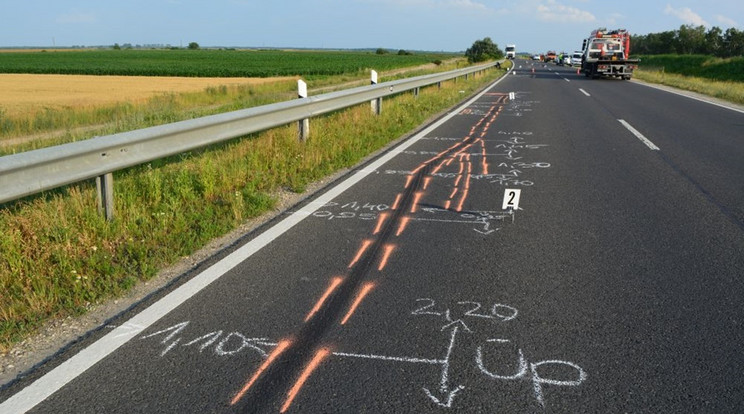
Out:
{"x": 208, "y": 63}
{"x": 59, "y": 256}
{"x": 699, "y": 66}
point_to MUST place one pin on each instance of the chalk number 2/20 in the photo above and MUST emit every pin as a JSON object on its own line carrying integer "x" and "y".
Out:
{"x": 511, "y": 199}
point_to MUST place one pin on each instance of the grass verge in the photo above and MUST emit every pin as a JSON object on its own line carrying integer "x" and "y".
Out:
{"x": 727, "y": 90}
{"x": 59, "y": 257}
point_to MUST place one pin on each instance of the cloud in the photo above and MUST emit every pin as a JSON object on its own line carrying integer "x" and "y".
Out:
{"x": 726, "y": 21}
{"x": 555, "y": 12}
{"x": 465, "y": 5}
{"x": 76, "y": 18}
{"x": 686, "y": 15}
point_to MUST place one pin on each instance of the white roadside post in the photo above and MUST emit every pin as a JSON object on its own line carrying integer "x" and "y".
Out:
{"x": 303, "y": 125}
{"x": 105, "y": 195}
{"x": 376, "y": 103}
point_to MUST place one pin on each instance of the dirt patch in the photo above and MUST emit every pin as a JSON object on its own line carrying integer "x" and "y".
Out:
{"x": 26, "y": 93}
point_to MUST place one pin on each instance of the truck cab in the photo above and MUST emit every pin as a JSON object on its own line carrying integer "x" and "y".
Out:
{"x": 511, "y": 51}
{"x": 606, "y": 54}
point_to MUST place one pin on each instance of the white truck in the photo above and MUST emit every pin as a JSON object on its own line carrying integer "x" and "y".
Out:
{"x": 511, "y": 51}
{"x": 607, "y": 54}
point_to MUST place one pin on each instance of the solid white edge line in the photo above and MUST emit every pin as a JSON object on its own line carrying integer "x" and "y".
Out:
{"x": 687, "y": 95}
{"x": 584, "y": 92}
{"x": 55, "y": 379}
{"x": 639, "y": 135}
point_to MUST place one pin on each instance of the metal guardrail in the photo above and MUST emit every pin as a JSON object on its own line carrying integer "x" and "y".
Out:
{"x": 36, "y": 171}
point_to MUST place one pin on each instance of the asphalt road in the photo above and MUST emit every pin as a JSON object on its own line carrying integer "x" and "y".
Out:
{"x": 615, "y": 286}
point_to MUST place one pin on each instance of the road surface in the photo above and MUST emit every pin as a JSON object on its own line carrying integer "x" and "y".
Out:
{"x": 556, "y": 244}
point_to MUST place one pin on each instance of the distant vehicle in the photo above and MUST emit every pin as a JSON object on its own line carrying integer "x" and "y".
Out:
{"x": 550, "y": 56}
{"x": 536, "y": 57}
{"x": 576, "y": 58}
{"x": 511, "y": 51}
{"x": 607, "y": 53}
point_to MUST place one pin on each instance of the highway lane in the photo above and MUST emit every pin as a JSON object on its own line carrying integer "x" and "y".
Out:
{"x": 614, "y": 287}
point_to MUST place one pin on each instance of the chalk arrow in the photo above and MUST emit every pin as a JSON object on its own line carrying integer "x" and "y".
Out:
{"x": 453, "y": 324}
{"x": 446, "y": 395}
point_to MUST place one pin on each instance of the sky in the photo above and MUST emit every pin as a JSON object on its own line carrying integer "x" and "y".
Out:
{"x": 434, "y": 25}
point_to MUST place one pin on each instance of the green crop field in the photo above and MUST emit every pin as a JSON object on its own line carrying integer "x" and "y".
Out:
{"x": 208, "y": 63}
{"x": 701, "y": 66}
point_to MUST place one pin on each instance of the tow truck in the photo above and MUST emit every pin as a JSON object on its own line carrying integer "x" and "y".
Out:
{"x": 607, "y": 54}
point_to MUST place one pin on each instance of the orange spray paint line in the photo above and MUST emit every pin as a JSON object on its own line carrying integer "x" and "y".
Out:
{"x": 427, "y": 180}
{"x": 447, "y": 204}
{"x": 281, "y": 347}
{"x": 397, "y": 201}
{"x": 449, "y": 161}
{"x": 416, "y": 198}
{"x": 314, "y": 363}
{"x": 408, "y": 180}
{"x": 380, "y": 221}
{"x": 334, "y": 284}
{"x": 358, "y": 300}
{"x": 385, "y": 256}
{"x": 402, "y": 226}
{"x": 485, "y": 160}
{"x": 462, "y": 201}
{"x": 454, "y": 191}
{"x": 457, "y": 183}
{"x": 365, "y": 245}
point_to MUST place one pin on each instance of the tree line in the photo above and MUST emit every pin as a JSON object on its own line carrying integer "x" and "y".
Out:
{"x": 691, "y": 39}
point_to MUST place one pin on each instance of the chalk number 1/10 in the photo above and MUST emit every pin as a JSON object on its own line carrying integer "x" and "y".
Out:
{"x": 511, "y": 199}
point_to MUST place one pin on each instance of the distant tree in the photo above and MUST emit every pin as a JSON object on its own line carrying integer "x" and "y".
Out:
{"x": 733, "y": 42}
{"x": 404, "y": 53}
{"x": 714, "y": 42}
{"x": 690, "y": 39}
{"x": 116, "y": 46}
{"x": 483, "y": 50}
{"x": 193, "y": 46}
{"x": 381, "y": 51}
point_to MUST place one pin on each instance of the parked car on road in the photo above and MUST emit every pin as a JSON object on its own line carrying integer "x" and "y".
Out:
{"x": 576, "y": 59}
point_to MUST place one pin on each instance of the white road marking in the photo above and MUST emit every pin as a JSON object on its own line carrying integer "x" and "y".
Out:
{"x": 584, "y": 92}
{"x": 55, "y": 379}
{"x": 639, "y": 135}
{"x": 691, "y": 96}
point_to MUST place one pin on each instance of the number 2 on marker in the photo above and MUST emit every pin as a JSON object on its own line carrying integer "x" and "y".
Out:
{"x": 511, "y": 199}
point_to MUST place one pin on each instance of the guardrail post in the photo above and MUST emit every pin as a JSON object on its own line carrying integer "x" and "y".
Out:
{"x": 376, "y": 103}
{"x": 105, "y": 195}
{"x": 439, "y": 85}
{"x": 303, "y": 125}
{"x": 416, "y": 92}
